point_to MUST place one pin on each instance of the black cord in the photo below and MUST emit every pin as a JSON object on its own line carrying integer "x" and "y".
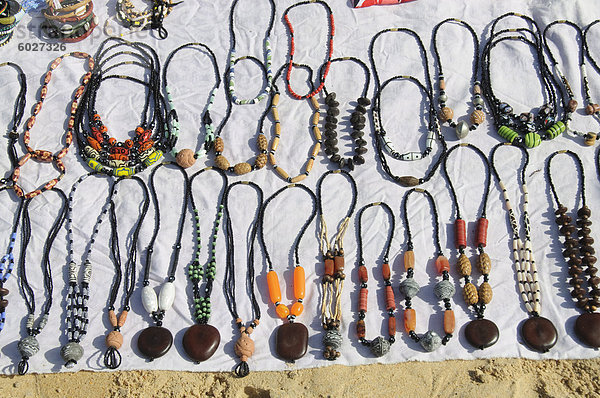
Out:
{"x": 388, "y": 244}
{"x": 436, "y": 223}
{"x": 18, "y": 112}
{"x": 354, "y": 188}
{"x": 581, "y": 175}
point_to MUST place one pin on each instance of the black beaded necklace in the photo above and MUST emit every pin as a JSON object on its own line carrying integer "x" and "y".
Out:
{"x": 592, "y": 108}
{"x": 201, "y": 340}
{"x": 29, "y": 346}
{"x": 433, "y": 129}
{"x": 244, "y": 346}
{"x": 579, "y": 252}
{"x": 357, "y": 121}
{"x": 20, "y": 102}
{"x": 155, "y": 341}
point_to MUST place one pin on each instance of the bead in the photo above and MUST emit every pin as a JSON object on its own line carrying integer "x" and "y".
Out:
{"x": 200, "y": 341}
{"x": 122, "y": 319}
{"x": 261, "y": 161}
{"x": 430, "y": 341}
{"x": 112, "y": 317}
{"x": 390, "y": 301}
{"x": 409, "y": 288}
{"x": 185, "y": 158}
{"x": 449, "y": 322}
{"x": 329, "y": 266}
{"x": 410, "y": 320}
{"x": 507, "y": 133}
{"x": 166, "y": 297}
{"x": 444, "y": 289}
{"x": 282, "y": 311}
{"x": 482, "y": 227}
{"x": 587, "y": 329}
{"x": 461, "y": 129}
{"x": 392, "y": 326}
{"x": 477, "y": 117}
{"x": 464, "y": 265}
{"x": 362, "y": 303}
{"x": 442, "y": 264}
{"x": 555, "y": 130}
{"x": 379, "y": 346}
{"x": 443, "y": 98}
{"x": 481, "y": 333}
{"x": 338, "y": 263}
{"x": 221, "y": 162}
{"x": 28, "y": 346}
{"x": 244, "y": 347}
{"x": 484, "y": 264}
{"x": 291, "y": 341}
{"x": 261, "y": 142}
{"x": 385, "y": 271}
{"x": 361, "y": 329}
{"x": 299, "y": 283}
{"x": 409, "y": 260}
{"x": 590, "y": 139}
{"x": 532, "y": 140}
{"x": 460, "y": 233}
{"x": 408, "y": 181}
{"x": 333, "y": 339}
{"x": 485, "y": 293}
{"x": 149, "y": 299}
{"x": 71, "y": 353}
{"x": 364, "y": 101}
{"x": 446, "y": 114}
{"x": 363, "y": 275}
{"x": 584, "y": 212}
{"x": 274, "y": 288}
{"x": 539, "y": 333}
{"x": 589, "y": 110}
{"x": 470, "y": 294}
{"x": 242, "y": 168}
{"x": 572, "y": 105}
{"x": 114, "y": 340}
{"x": 297, "y": 309}
{"x": 219, "y": 144}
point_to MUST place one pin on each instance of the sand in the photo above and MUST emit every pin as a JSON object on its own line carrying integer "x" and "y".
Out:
{"x": 478, "y": 378}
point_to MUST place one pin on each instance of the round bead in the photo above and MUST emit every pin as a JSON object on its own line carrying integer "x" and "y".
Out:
{"x": 282, "y": 311}
{"x": 114, "y": 339}
{"x": 185, "y": 158}
{"x": 477, "y": 101}
{"x": 462, "y": 130}
{"x": 430, "y": 341}
{"x": 444, "y": 290}
{"x": 71, "y": 353}
{"x": 379, "y": 346}
{"x": 28, "y": 346}
{"x": 297, "y": 309}
{"x": 333, "y": 339}
{"x": 409, "y": 288}
{"x": 446, "y": 114}
{"x": 477, "y": 117}
{"x": 572, "y": 105}
{"x": 443, "y": 98}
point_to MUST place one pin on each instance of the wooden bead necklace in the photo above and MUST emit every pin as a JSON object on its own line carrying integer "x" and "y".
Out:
{"x": 595, "y": 109}
{"x": 291, "y": 339}
{"x": 568, "y": 96}
{"x": 480, "y": 333}
{"x": 150, "y": 18}
{"x": 10, "y": 16}
{"x": 69, "y": 21}
{"x": 433, "y": 129}
{"x": 155, "y": 341}
{"x": 444, "y": 290}
{"x": 244, "y": 346}
{"x": 379, "y": 346}
{"x": 17, "y": 117}
{"x": 538, "y": 332}
{"x": 187, "y": 157}
{"x": 201, "y": 340}
{"x": 114, "y": 338}
{"x": 580, "y": 254}
{"x": 332, "y": 253}
{"x": 45, "y": 156}
{"x": 292, "y": 49}
{"x": 233, "y": 59}
{"x": 357, "y": 121}
{"x": 28, "y": 346}
{"x": 446, "y": 114}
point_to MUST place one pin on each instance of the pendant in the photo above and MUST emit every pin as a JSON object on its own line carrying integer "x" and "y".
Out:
{"x": 154, "y": 342}
{"x": 291, "y": 341}
{"x": 587, "y": 329}
{"x": 482, "y": 333}
{"x": 539, "y": 334}
{"x": 201, "y": 341}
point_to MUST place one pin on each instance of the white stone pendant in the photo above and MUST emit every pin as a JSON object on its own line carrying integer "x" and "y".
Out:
{"x": 149, "y": 299}
{"x": 166, "y": 296}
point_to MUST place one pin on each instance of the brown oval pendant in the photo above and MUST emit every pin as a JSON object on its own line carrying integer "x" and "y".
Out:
{"x": 154, "y": 342}
{"x": 482, "y": 333}
{"x": 291, "y": 341}
{"x": 201, "y": 341}
{"x": 587, "y": 329}
{"x": 539, "y": 334}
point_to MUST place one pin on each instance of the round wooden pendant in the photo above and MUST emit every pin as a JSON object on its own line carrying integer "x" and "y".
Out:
{"x": 291, "y": 341}
{"x": 201, "y": 341}
{"x": 539, "y": 334}
{"x": 154, "y": 342}
{"x": 587, "y": 329}
{"x": 482, "y": 333}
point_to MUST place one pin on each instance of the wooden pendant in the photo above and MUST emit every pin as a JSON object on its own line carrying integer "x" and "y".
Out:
{"x": 291, "y": 341}
{"x": 482, "y": 333}
{"x": 154, "y": 342}
{"x": 201, "y": 341}
{"x": 539, "y": 334}
{"x": 587, "y": 329}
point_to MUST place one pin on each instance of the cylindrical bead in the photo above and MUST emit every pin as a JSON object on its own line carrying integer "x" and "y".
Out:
{"x": 298, "y": 178}
{"x": 316, "y": 118}
{"x": 329, "y": 266}
{"x": 282, "y": 173}
{"x": 410, "y": 320}
{"x": 442, "y": 264}
{"x": 314, "y": 102}
{"x": 363, "y": 274}
{"x": 385, "y": 271}
{"x": 274, "y": 288}
{"x": 339, "y": 263}
{"x": 482, "y": 227}
{"x": 275, "y": 101}
{"x": 122, "y": 319}
{"x": 361, "y": 331}
{"x": 362, "y": 304}
{"x": 282, "y": 311}
{"x": 392, "y": 326}
{"x": 390, "y": 301}
{"x": 409, "y": 259}
{"x": 112, "y": 317}
{"x": 460, "y": 233}
{"x": 275, "y": 144}
{"x": 299, "y": 283}
{"x": 449, "y": 322}
{"x": 297, "y": 309}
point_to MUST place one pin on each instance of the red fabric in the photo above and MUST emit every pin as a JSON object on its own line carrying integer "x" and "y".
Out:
{"x": 367, "y": 3}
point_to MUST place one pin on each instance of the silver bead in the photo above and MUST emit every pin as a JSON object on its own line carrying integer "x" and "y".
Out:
{"x": 409, "y": 288}
{"x": 444, "y": 290}
{"x": 443, "y": 98}
{"x": 430, "y": 341}
{"x": 462, "y": 130}
{"x": 379, "y": 346}
{"x": 71, "y": 353}
{"x": 333, "y": 339}
{"x": 28, "y": 346}
{"x": 477, "y": 101}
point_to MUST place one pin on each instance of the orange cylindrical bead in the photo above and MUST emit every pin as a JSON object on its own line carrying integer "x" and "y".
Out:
{"x": 390, "y": 301}
{"x": 410, "y": 320}
{"x": 482, "y": 227}
{"x": 449, "y": 322}
{"x": 338, "y": 262}
{"x": 329, "y": 266}
{"x": 274, "y": 288}
{"x": 297, "y": 309}
{"x": 362, "y": 303}
{"x": 385, "y": 272}
{"x": 363, "y": 274}
{"x": 361, "y": 330}
{"x": 460, "y": 233}
{"x": 392, "y": 326}
{"x": 409, "y": 259}
{"x": 442, "y": 264}
{"x": 299, "y": 283}
{"x": 282, "y": 311}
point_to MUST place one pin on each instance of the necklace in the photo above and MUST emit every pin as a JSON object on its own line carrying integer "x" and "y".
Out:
{"x": 592, "y": 108}
{"x": 155, "y": 341}
{"x": 42, "y": 155}
{"x": 150, "y": 18}
{"x": 29, "y": 346}
{"x": 444, "y": 289}
{"x": 379, "y": 346}
{"x": 20, "y": 102}
{"x": 568, "y": 95}
{"x": 114, "y": 339}
{"x": 292, "y": 49}
{"x": 10, "y": 16}
{"x": 446, "y": 113}
{"x": 579, "y": 252}
{"x": 357, "y": 121}
{"x": 187, "y": 157}
{"x": 244, "y": 346}
{"x": 480, "y": 333}
{"x": 201, "y": 340}
{"x": 233, "y": 59}
{"x": 78, "y": 293}
{"x": 538, "y": 333}
{"x": 433, "y": 128}
{"x": 332, "y": 253}
{"x": 291, "y": 339}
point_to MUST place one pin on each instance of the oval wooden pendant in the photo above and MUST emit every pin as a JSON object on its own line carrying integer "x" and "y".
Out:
{"x": 482, "y": 333}
{"x": 201, "y": 341}
{"x": 291, "y": 341}
{"x": 539, "y": 334}
{"x": 587, "y": 329}
{"x": 154, "y": 342}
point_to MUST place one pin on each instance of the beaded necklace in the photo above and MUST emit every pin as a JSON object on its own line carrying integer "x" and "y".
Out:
{"x": 201, "y": 340}
{"x": 379, "y": 346}
{"x": 538, "y": 332}
{"x": 291, "y": 339}
{"x": 244, "y": 346}
{"x": 480, "y": 333}
{"x": 155, "y": 341}
{"x": 10, "y": 16}
{"x": 595, "y": 108}
{"x": 20, "y": 102}
{"x": 78, "y": 293}
{"x": 187, "y": 157}
{"x": 69, "y": 21}
{"x": 357, "y": 121}
{"x": 114, "y": 339}
{"x": 233, "y": 59}
{"x": 29, "y": 346}
{"x": 45, "y": 156}
{"x": 446, "y": 113}
{"x": 444, "y": 289}
{"x": 150, "y": 18}
{"x": 433, "y": 128}
{"x": 579, "y": 252}
{"x": 568, "y": 96}
{"x": 332, "y": 253}
{"x": 292, "y": 49}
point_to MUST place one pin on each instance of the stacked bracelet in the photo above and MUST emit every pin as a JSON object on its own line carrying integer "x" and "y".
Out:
{"x": 69, "y": 21}
{"x": 11, "y": 13}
